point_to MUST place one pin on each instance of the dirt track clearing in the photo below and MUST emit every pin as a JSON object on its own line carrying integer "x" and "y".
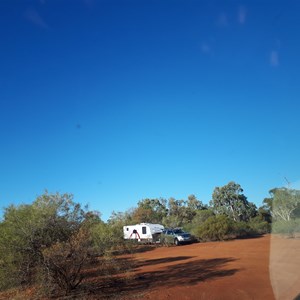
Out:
{"x": 236, "y": 269}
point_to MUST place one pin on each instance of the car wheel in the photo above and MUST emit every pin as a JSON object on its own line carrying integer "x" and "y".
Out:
{"x": 176, "y": 242}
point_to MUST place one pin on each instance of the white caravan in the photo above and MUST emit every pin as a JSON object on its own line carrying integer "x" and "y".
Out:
{"x": 144, "y": 232}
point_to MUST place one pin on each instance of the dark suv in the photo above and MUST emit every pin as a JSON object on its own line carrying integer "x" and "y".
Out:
{"x": 175, "y": 236}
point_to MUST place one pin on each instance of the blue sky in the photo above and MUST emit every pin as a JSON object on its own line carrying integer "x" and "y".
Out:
{"x": 116, "y": 101}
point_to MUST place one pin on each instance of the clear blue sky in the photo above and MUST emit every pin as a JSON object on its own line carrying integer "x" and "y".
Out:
{"x": 116, "y": 101}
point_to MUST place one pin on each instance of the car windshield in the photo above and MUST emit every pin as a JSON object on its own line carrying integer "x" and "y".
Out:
{"x": 178, "y": 231}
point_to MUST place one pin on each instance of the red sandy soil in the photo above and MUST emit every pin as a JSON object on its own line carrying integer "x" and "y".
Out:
{"x": 237, "y": 269}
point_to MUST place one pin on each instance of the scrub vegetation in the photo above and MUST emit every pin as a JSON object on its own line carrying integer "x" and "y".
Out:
{"x": 50, "y": 243}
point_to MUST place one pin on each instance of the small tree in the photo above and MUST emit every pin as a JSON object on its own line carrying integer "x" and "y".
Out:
{"x": 63, "y": 262}
{"x": 230, "y": 200}
{"x": 284, "y": 202}
{"x": 193, "y": 206}
{"x": 28, "y": 229}
{"x": 150, "y": 210}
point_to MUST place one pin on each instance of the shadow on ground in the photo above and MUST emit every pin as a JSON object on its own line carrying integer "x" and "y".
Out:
{"x": 109, "y": 267}
{"x": 187, "y": 273}
{"x": 150, "y": 262}
{"x": 248, "y": 237}
{"x": 135, "y": 249}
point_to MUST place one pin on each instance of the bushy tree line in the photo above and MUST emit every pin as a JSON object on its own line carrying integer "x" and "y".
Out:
{"x": 228, "y": 215}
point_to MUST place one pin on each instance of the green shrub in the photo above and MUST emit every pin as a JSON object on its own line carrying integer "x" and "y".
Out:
{"x": 108, "y": 238}
{"x": 26, "y": 230}
{"x": 258, "y": 226}
{"x": 253, "y": 227}
{"x": 214, "y": 228}
{"x": 241, "y": 229}
{"x": 200, "y": 217}
{"x": 221, "y": 227}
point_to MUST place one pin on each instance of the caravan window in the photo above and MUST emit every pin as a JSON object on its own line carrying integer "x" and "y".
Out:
{"x": 144, "y": 230}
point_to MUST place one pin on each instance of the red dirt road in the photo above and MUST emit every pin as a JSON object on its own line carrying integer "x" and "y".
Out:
{"x": 236, "y": 269}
